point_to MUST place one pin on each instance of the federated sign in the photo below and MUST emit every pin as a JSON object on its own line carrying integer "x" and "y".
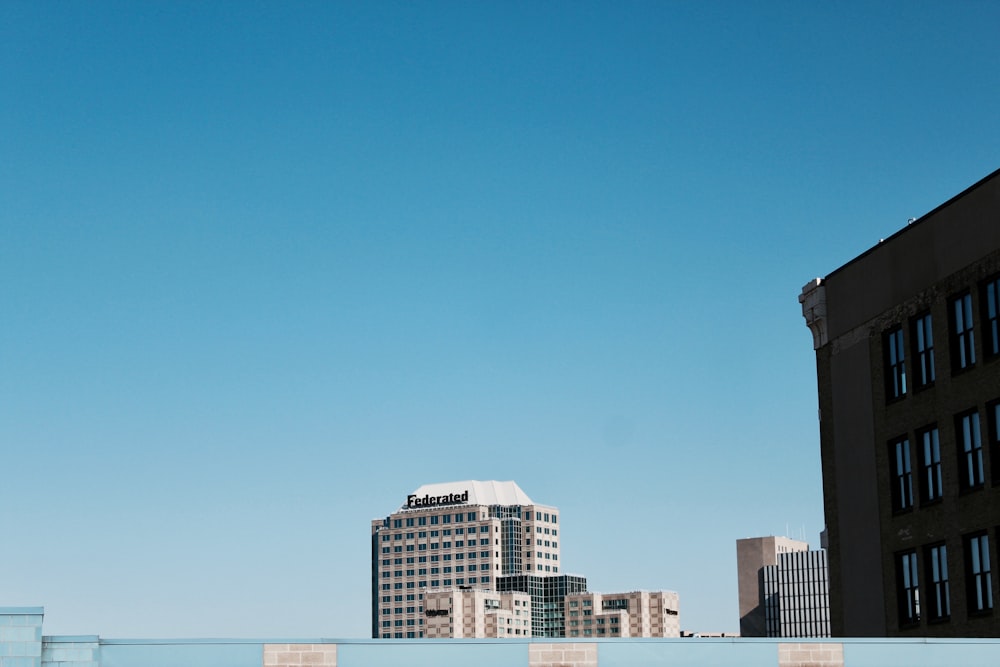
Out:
{"x": 436, "y": 612}
{"x": 434, "y": 501}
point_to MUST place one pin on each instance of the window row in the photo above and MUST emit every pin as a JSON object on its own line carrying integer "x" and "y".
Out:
{"x": 435, "y": 533}
{"x": 922, "y": 458}
{"x": 923, "y": 584}
{"x": 435, "y": 583}
{"x": 961, "y": 341}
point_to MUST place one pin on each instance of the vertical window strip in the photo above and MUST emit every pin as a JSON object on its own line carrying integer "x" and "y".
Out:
{"x": 903, "y": 492}
{"x": 909, "y": 607}
{"x": 940, "y": 602}
{"x": 897, "y": 364}
{"x": 932, "y": 465}
{"x": 992, "y": 329}
{"x": 981, "y": 580}
{"x": 994, "y": 417}
{"x": 965, "y": 340}
{"x": 972, "y": 449}
{"x": 925, "y": 350}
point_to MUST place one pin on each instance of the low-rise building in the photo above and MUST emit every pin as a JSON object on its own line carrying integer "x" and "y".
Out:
{"x": 632, "y": 614}
{"x": 476, "y": 614}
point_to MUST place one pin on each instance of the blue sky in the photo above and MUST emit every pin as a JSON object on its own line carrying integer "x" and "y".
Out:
{"x": 265, "y": 268}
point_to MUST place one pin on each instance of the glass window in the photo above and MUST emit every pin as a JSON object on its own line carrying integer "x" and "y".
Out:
{"x": 938, "y": 595}
{"x": 902, "y": 478}
{"x": 978, "y": 573}
{"x": 991, "y": 307}
{"x": 895, "y": 364}
{"x": 971, "y": 451}
{"x": 963, "y": 337}
{"x": 993, "y": 411}
{"x": 923, "y": 350}
{"x": 906, "y": 588}
{"x": 931, "y": 487}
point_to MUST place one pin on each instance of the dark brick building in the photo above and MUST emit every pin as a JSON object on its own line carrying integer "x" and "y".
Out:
{"x": 908, "y": 366}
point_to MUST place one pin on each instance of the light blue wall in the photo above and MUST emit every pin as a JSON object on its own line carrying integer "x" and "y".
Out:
{"x": 181, "y": 653}
{"x": 77, "y": 651}
{"x": 22, "y": 645}
{"x": 21, "y": 636}
{"x": 922, "y": 653}
{"x": 444, "y": 653}
{"x": 683, "y": 652}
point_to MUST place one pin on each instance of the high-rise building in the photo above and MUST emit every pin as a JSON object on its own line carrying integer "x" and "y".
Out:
{"x": 907, "y": 341}
{"x": 632, "y": 614}
{"x": 797, "y": 595}
{"x": 455, "y": 535}
{"x": 753, "y": 554}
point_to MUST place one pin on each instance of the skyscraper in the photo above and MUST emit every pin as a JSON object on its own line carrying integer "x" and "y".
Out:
{"x": 752, "y": 556}
{"x": 797, "y": 595}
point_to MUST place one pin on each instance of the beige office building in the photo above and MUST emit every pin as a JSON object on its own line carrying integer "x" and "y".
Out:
{"x": 633, "y": 614}
{"x": 476, "y": 614}
{"x": 753, "y": 554}
{"x": 455, "y": 535}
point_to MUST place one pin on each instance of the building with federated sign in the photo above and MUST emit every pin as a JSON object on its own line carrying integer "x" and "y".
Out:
{"x": 455, "y": 535}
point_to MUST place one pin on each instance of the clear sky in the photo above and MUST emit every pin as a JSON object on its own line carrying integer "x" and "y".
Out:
{"x": 267, "y": 267}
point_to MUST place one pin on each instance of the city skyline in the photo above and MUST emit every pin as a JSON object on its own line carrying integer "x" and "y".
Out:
{"x": 265, "y": 266}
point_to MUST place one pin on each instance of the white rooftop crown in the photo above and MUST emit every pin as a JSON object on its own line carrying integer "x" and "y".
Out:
{"x": 480, "y": 493}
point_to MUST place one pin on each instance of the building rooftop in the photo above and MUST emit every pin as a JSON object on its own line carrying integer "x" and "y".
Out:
{"x": 480, "y": 492}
